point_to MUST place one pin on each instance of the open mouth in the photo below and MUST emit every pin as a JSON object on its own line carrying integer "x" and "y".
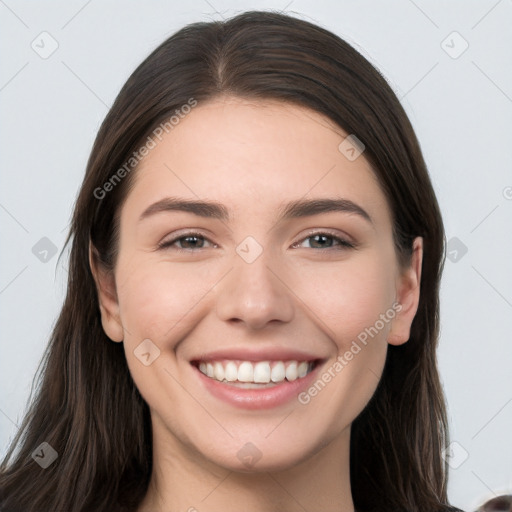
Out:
{"x": 255, "y": 374}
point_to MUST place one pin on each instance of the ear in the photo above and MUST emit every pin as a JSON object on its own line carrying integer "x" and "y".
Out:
{"x": 408, "y": 295}
{"x": 107, "y": 297}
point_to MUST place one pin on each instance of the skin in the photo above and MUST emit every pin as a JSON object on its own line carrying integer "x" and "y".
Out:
{"x": 253, "y": 157}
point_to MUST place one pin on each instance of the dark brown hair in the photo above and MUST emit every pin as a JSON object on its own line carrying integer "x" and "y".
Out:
{"x": 87, "y": 406}
{"x": 501, "y": 503}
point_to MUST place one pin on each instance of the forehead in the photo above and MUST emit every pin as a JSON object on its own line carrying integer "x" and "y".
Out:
{"x": 252, "y": 155}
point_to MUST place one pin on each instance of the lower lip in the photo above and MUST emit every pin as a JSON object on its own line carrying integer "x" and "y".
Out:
{"x": 264, "y": 398}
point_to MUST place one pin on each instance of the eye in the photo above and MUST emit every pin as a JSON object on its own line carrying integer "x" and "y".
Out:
{"x": 188, "y": 242}
{"x": 193, "y": 241}
{"x": 323, "y": 240}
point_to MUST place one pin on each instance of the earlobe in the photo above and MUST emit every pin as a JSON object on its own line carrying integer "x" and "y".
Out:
{"x": 408, "y": 295}
{"x": 107, "y": 297}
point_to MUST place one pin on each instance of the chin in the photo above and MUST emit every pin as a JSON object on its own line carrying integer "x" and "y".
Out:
{"x": 261, "y": 456}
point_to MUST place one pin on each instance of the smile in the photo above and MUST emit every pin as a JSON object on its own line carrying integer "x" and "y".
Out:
{"x": 256, "y": 384}
{"x": 251, "y": 372}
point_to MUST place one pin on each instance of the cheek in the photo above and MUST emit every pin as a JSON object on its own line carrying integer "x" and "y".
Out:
{"x": 159, "y": 300}
{"x": 163, "y": 303}
{"x": 349, "y": 297}
{"x": 350, "y": 300}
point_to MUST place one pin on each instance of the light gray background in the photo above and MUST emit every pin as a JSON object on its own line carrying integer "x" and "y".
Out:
{"x": 461, "y": 109}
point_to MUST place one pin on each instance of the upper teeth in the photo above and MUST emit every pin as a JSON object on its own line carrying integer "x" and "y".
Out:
{"x": 261, "y": 372}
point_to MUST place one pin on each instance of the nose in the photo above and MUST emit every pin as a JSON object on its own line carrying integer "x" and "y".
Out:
{"x": 255, "y": 294}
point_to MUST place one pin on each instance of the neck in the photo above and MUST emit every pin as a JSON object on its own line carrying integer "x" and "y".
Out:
{"x": 183, "y": 480}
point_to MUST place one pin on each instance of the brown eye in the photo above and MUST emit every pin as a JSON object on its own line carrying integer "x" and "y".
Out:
{"x": 326, "y": 241}
{"x": 187, "y": 242}
{"x": 191, "y": 242}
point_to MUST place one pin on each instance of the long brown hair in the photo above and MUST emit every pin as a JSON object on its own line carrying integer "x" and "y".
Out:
{"x": 87, "y": 407}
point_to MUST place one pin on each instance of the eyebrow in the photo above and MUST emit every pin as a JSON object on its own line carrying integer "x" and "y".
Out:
{"x": 292, "y": 210}
{"x": 209, "y": 209}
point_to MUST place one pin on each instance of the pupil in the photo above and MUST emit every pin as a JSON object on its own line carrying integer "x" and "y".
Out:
{"x": 323, "y": 238}
{"x": 188, "y": 238}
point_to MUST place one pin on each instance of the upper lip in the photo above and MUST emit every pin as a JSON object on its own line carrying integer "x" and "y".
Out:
{"x": 257, "y": 354}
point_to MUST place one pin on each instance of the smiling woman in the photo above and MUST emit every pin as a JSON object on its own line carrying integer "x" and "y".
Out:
{"x": 251, "y": 318}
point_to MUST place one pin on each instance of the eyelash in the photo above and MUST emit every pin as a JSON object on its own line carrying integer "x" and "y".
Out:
{"x": 341, "y": 243}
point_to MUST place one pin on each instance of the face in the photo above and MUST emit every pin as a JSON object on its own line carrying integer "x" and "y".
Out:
{"x": 256, "y": 326}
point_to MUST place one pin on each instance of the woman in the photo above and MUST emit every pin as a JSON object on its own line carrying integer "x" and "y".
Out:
{"x": 497, "y": 504}
{"x": 251, "y": 317}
